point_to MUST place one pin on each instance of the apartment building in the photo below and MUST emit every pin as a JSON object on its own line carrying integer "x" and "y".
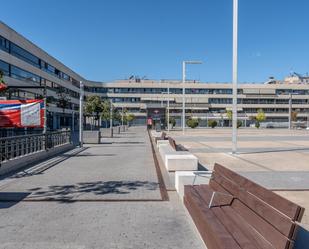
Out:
{"x": 25, "y": 64}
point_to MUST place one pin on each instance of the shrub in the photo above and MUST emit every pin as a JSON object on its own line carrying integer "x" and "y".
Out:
{"x": 192, "y": 122}
{"x": 257, "y": 124}
{"x": 212, "y": 123}
{"x": 172, "y": 121}
{"x": 239, "y": 123}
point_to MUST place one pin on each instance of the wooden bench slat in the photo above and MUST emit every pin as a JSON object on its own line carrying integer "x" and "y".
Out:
{"x": 263, "y": 227}
{"x": 205, "y": 191}
{"x": 267, "y": 212}
{"x": 290, "y": 209}
{"x": 212, "y": 231}
{"x": 244, "y": 234}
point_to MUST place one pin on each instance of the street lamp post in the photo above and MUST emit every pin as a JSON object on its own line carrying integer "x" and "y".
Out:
{"x": 168, "y": 106}
{"x": 184, "y": 91}
{"x": 290, "y": 111}
{"x": 235, "y": 60}
{"x": 111, "y": 118}
{"x": 81, "y": 115}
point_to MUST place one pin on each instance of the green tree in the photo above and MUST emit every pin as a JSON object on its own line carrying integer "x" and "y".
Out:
{"x": 94, "y": 107}
{"x": 3, "y": 86}
{"x": 130, "y": 118}
{"x": 172, "y": 121}
{"x": 229, "y": 115}
{"x": 63, "y": 100}
{"x": 212, "y": 123}
{"x": 106, "y": 111}
{"x": 192, "y": 122}
{"x": 294, "y": 115}
{"x": 260, "y": 117}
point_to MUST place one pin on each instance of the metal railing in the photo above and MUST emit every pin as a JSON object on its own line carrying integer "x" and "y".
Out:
{"x": 18, "y": 146}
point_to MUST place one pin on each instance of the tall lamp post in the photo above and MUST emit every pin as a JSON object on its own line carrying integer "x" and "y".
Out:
{"x": 81, "y": 115}
{"x": 168, "y": 106}
{"x": 184, "y": 63}
{"x": 235, "y": 60}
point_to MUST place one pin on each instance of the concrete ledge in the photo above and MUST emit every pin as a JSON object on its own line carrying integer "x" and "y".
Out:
{"x": 183, "y": 178}
{"x": 165, "y": 149}
{"x": 155, "y": 133}
{"x": 180, "y": 161}
{"x": 162, "y": 142}
{"x": 92, "y": 137}
{"x": 20, "y": 162}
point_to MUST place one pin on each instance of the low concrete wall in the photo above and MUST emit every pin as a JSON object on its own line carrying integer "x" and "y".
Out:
{"x": 92, "y": 137}
{"x": 21, "y": 162}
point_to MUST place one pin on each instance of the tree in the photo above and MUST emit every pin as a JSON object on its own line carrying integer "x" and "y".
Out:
{"x": 212, "y": 123}
{"x": 260, "y": 117}
{"x": 229, "y": 115}
{"x": 294, "y": 115}
{"x": 3, "y": 86}
{"x": 94, "y": 107}
{"x": 192, "y": 122}
{"x": 106, "y": 111}
{"x": 63, "y": 98}
{"x": 172, "y": 121}
{"x": 130, "y": 118}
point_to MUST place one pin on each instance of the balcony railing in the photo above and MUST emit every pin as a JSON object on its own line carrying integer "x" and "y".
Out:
{"x": 19, "y": 146}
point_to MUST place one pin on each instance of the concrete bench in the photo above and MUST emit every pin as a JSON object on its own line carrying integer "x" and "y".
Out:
{"x": 177, "y": 160}
{"x": 234, "y": 212}
{"x": 162, "y": 142}
{"x": 183, "y": 178}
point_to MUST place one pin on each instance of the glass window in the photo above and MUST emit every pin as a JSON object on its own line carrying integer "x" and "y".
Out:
{"x": 5, "y": 68}
{"x": 24, "y": 55}
{"x": 4, "y": 44}
{"x": 21, "y": 74}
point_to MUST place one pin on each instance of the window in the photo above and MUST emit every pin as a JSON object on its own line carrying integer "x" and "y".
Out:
{"x": 24, "y": 55}
{"x": 5, "y": 68}
{"x": 4, "y": 44}
{"x": 21, "y": 74}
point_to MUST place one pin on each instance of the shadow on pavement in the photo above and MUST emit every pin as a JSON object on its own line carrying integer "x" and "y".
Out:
{"x": 97, "y": 188}
{"x": 9, "y": 199}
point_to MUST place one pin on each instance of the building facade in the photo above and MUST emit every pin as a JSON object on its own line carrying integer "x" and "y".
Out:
{"x": 25, "y": 64}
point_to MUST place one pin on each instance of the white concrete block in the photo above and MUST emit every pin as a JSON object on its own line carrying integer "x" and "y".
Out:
{"x": 183, "y": 178}
{"x": 155, "y": 133}
{"x": 180, "y": 161}
{"x": 165, "y": 149}
{"x": 162, "y": 142}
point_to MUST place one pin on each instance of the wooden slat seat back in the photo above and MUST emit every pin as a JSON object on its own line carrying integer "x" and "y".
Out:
{"x": 270, "y": 214}
{"x": 255, "y": 218}
{"x": 172, "y": 143}
{"x": 175, "y": 146}
{"x": 162, "y": 137}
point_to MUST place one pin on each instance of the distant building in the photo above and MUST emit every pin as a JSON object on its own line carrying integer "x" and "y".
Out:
{"x": 24, "y": 64}
{"x": 296, "y": 78}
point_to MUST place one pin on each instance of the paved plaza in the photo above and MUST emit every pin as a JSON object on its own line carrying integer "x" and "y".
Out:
{"x": 275, "y": 158}
{"x": 104, "y": 196}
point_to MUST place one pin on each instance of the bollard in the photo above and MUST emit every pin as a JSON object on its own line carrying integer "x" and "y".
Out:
{"x": 118, "y": 129}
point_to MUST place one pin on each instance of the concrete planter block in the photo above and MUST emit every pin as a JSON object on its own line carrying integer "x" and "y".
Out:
{"x": 162, "y": 142}
{"x": 181, "y": 161}
{"x": 183, "y": 178}
{"x": 155, "y": 133}
{"x": 92, "y": 137}
{"x": 165, "y": 149}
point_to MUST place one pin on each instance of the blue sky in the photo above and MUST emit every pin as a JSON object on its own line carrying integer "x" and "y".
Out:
{"x": 112, "y": 39}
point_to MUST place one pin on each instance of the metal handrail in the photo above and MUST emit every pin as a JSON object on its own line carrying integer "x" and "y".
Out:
{"x": 19, "y": 146}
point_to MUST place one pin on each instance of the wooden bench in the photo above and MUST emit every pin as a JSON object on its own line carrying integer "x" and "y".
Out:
{"x": 163, "y": 137}
{"x": 234, "y": 212}
{"x": 176, "y": 147}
